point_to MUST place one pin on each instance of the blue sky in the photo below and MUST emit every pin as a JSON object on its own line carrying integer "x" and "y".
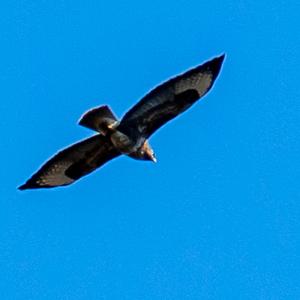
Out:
{"x": 218, "y": 217}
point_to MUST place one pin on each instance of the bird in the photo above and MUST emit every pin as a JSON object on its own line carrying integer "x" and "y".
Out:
{"x": 130, "y": 135}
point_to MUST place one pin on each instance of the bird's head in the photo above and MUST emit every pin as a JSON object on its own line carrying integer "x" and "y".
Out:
{"x": 145, "y": 153}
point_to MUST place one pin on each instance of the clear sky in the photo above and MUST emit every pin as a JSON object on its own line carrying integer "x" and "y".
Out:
{"x": 218, "y": 217}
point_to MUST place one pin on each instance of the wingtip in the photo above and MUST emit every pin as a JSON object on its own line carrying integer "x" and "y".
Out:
{"x": 215, "y": 65}
{"x": 22, "y": 187}
{"x": 222, "y": 56}
{"x": 29, "y": 185}
{"x": 218, "y": 60}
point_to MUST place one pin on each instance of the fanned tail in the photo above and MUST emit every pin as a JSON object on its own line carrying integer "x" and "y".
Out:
{"x": 100, "y": 119}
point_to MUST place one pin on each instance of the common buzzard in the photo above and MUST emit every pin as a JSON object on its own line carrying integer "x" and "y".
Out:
{"x": 130, "y": 135}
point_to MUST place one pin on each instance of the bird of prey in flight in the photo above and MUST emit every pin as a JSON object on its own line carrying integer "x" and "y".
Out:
{"x": 129, "y": 135}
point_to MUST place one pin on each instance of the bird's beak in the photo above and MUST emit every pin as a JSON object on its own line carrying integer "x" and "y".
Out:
{"x": 149, "y": 153}
{"x": 153, "y": 158}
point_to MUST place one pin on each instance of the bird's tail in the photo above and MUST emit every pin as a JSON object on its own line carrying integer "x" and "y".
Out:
{"x": 100, "y": 119}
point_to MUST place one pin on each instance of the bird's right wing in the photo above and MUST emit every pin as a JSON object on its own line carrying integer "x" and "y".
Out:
{"x": 171, "y": 98}
{"x": 73, "y": 163}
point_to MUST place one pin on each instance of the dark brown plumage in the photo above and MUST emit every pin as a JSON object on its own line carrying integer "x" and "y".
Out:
{"x": 130, "y": 136}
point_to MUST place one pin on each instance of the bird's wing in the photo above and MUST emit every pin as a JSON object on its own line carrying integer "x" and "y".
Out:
{"x": 171, "y": 98}
{"x": 72, "y": 163}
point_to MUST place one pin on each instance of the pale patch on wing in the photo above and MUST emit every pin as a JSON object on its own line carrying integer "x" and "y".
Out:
{"x": 55, "y": 175}
{"x": 72, "y": 163}
{"x": 199, "y": 82}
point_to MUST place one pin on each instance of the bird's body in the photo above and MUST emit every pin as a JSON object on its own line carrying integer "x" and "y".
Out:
{"x": 130, "y": 135}
{"x": 125, "y": 139}
{"x": 123, "y": 142}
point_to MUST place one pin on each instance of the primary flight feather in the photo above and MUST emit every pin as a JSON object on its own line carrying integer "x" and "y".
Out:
{"x": 130, "y": 135}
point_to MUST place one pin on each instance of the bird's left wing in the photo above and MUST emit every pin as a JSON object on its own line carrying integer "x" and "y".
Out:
{"x": 171, "y": 98}
{"x": 73, "y": 163}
